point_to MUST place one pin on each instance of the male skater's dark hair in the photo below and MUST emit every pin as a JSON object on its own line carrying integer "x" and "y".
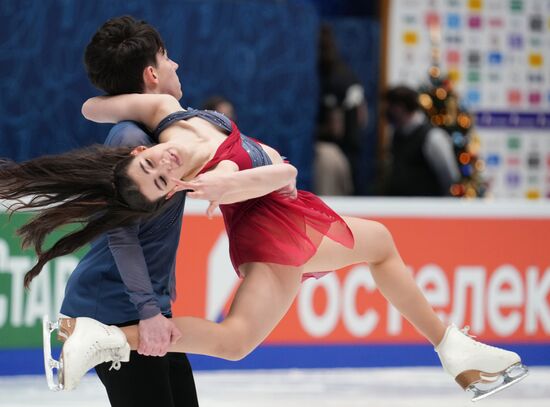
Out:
{"x": 89, "y": 186}
{"x": 119, "y": 52}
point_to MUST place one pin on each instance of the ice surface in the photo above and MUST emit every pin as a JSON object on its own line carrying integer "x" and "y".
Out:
{"x": 395, "y": 387}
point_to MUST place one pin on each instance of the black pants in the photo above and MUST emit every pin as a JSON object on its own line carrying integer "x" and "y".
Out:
{"x": 148, "y": 381}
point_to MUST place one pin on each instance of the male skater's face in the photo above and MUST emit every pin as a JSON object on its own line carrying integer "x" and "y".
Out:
{"x": 169, "y": 82}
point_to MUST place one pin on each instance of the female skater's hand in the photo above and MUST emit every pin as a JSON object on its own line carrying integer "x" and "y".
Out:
{"x": 210, "y": 186}
{"x": 289, "y": 190}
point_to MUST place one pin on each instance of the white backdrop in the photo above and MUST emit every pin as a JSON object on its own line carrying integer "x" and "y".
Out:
{"x": 498, "y": 54}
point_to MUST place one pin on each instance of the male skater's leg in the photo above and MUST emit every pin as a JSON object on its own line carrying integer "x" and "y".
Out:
{"x": 150, "y": 381}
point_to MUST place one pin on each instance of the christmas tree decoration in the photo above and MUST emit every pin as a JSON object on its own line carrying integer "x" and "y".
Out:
{"x": 444, "y": 109}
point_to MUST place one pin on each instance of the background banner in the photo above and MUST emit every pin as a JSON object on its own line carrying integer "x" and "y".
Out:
{"x": 496, "y": 55}
{"x": 481, "y": 264}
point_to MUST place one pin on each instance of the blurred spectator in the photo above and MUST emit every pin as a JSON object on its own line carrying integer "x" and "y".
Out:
{"x": 423, "y": 159}
{"x": 342, "y": 116}
{"x": 220, "y": 104}
{"x": 331, "y": 171}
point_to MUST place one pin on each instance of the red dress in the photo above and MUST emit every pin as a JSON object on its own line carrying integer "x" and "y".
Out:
{"x": 274, "y": 228}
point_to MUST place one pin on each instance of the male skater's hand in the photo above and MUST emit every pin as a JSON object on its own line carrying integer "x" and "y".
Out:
{"x": 156, "y": 334}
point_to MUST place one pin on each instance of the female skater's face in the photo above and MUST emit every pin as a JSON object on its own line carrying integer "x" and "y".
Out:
{"x": 153, "y": 169}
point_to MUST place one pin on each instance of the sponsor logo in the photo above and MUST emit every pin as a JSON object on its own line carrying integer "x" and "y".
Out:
{"x": 516, "y": 5}
{"x": 535, "y": 77}
{"x": 454, "y": 75}
{"x": 514, "y": 97}
{"x": 513, "y": 179}
{"x": 432, "y": 19}
{"x": 535, "y": 59}
{"x": 493, "y": 160}
{"x": 473, "y": 96}
{"x": 453, "y": 39}
{"x": 514, "y": 143}
{"x": 535, "y": 98}
{"x": 473, "y": 76}
{"x": 474, "y": 22}
{"x": 474, "y": 57}
{"x": 475, "y": 4}
{"x": 410, "y": 38}
{"x": 453, "y": 57}
{"x": 453, "y": 20}
{"x": 536, "y": 23}
{"x": 495, "y": 22}
{"x": 494, "y": 58}
{"x": 515, "y": 41}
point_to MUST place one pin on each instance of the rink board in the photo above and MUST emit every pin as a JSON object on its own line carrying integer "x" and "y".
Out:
{"x": 29, "y": 361}
{"x": 482, "y": 264}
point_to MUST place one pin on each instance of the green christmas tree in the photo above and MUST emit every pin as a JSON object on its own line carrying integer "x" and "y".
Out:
{"x": 443, "y": 108}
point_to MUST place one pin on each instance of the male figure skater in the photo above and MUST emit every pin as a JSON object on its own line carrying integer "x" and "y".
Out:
{"x": 128, "y": 275}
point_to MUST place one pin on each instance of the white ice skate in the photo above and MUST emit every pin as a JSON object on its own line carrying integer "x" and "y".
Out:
{"x": 476, "y": 367}
{"x": 87, "y": 344}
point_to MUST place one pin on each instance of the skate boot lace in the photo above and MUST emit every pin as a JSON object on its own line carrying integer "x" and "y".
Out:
{"x": 116, "y": 361}
{"x": 100, "y": 355}
{"x": 466, "y": 332}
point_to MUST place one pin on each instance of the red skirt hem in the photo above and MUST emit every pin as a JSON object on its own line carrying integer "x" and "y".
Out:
{"x": 280, "y": 230}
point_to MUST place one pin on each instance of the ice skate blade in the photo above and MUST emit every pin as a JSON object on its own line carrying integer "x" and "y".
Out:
{"x": 50, "y": 363}
{"x": 510, "y": 376}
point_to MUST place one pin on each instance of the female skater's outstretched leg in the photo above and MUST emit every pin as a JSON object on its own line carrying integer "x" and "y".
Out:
{"x": 374, "y": 245}
{"x": 479, "y": 368}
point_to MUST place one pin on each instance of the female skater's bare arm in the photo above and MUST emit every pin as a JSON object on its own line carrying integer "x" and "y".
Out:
{"x": 225, "y": 184}
{"x": 148, "y": 109}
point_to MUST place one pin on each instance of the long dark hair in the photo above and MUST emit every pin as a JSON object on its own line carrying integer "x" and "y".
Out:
{"x": 89, "y": 186}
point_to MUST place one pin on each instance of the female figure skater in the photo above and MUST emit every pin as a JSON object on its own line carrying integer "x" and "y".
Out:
{"x": 278, "y": 236}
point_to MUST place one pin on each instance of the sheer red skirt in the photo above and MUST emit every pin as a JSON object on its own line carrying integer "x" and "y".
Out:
{"x": 281, "y": 230}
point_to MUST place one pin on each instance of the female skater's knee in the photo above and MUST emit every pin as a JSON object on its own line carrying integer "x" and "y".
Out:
{"x": 234, "y": 350}
{"x": 237, "y": 340}
{"x": 384, "y": 241}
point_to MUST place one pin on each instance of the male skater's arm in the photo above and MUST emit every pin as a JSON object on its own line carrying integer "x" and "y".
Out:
{"x": 156, "y": 331}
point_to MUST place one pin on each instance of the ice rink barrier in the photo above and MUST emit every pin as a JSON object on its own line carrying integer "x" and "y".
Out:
{"x": 485, "y": 264}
